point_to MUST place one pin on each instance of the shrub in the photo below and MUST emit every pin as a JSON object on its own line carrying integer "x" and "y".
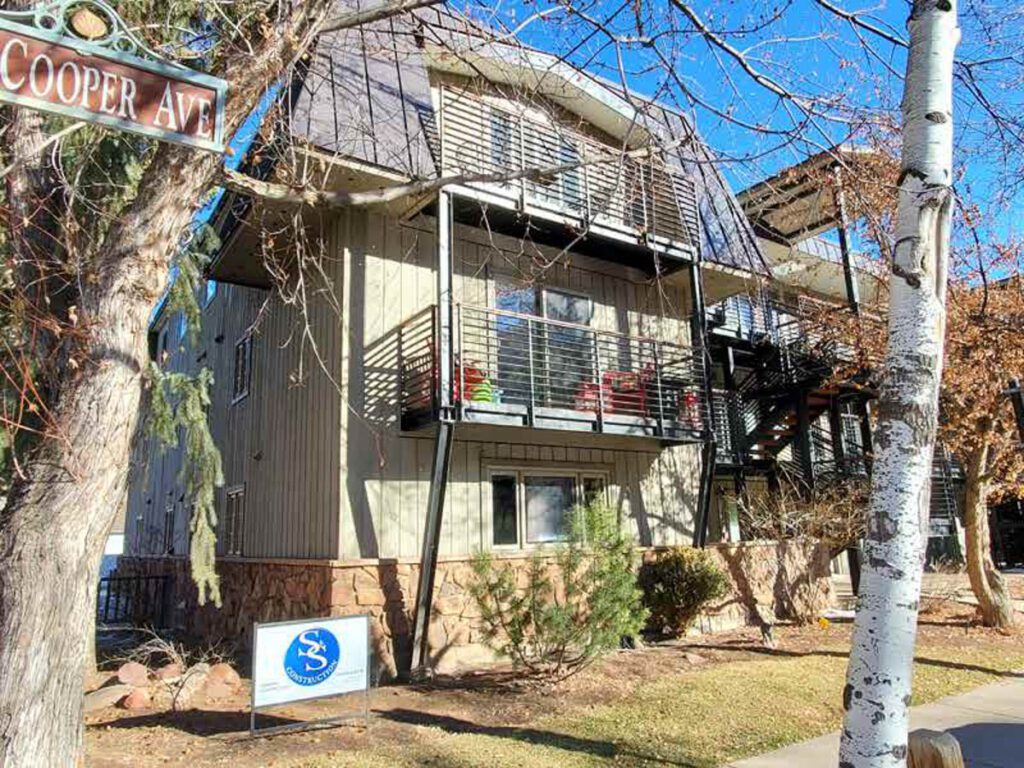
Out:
{"x": 678, "y": 584}
{"x": 566, "y": 615}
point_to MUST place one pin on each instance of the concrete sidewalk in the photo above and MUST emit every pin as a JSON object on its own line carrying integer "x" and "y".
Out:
{"x": 988, "y": 722}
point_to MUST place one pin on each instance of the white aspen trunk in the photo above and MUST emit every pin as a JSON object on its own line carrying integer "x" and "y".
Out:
{"x": 878, "y": 682}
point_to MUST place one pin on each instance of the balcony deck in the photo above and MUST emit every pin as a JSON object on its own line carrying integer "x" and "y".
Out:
{"x": 521, "y": 370}
{"x": 602, "y": 191}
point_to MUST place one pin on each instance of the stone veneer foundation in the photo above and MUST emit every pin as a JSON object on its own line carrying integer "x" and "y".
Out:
{"x": 792, "y": 577}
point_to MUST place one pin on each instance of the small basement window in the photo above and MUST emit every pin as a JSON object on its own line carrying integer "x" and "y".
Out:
{"x": 242, "y": 370}
{"x": 532, "y": 507}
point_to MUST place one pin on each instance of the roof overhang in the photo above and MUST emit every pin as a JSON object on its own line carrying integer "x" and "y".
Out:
{"x": 574, "y": 90}
{"x": 814, "y": 271}
{"x": 798, "y": 202}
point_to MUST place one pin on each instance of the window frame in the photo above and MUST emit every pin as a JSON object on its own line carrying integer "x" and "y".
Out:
{"x": 170, "y": 523}
{"x": 234, "y": 521}
{"x": 163, "y": 347}
{"x": 520, "y": 471}
{"x": 209, "y": 298}
{"x": 238, "y": 395}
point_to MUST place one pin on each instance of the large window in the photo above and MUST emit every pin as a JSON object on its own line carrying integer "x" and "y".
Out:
{"x": 562, "y": 354}
{"x": 569, "y": 351}
{"x": 531, "y": 507}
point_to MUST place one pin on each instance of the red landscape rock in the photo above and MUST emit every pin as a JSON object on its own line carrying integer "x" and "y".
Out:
{"x": 134, "y": 674}
{"x": 137, "y": 699}
{"x": 105, "y": 697}
{"x": 226, "y": 674}
{"x": 168, "y": 673}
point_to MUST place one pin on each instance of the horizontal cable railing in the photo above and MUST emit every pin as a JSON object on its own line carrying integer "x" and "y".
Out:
{"x": 807, "y": 327}
{"x": 599, "y": 184}
{"x": 417, "y": 343}
{"x": 511, "y": 363}
{"x": 507, "y": 358}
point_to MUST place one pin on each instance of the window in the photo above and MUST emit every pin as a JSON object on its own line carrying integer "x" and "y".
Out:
{"x": 234, "y": 521}
{"x": 513, "y": 336}
{"x": 548, "y": 503}
{"x": 243, "y": 365}
{"x": 161, "y": 346}
{"x": 168, "y": 547}
{"x": 506, "y": 523}
{"x": 182, "y": 327}
{"x": 531, "y": 507}
{"x": 210, "y": 292}
{"x": 594, "y": 489}
{"x": 569, "y": 351}
{"x": 542, "y": 363}
{"x": 504, "y": 142}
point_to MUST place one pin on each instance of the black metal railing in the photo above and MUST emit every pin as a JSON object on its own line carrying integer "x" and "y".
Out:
{"x": 132, "y": 601}
{"x": 600, "y": 184}
{"x": 798, "y": 327}
{"x": 515, "y": 368}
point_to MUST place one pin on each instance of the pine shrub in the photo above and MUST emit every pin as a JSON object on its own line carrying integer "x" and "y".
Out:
{"x": 580, "y": 599}
{"x": 677, "y": 585}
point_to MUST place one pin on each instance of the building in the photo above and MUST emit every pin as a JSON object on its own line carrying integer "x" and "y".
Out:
{"x": 792, "y": 403}
{"x": 480, "y": 357}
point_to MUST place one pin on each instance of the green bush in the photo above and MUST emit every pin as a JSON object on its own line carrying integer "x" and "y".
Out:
{"x": 678, "y": 584}
{"x": 566, "y": 616}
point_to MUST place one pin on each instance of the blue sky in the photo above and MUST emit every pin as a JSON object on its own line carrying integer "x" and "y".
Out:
{"x": 795, "y": 43}
{"x": 804, "y": 47}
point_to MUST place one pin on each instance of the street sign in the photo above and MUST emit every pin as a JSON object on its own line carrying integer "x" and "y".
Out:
{"x": 309, "y": 659}
{"x": 114, "y": 80}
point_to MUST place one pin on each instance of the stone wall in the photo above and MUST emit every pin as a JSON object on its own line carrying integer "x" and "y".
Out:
{"x": 792, "y": 577}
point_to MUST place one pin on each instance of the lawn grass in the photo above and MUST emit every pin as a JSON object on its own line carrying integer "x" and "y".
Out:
{"x": 698, "y": 719}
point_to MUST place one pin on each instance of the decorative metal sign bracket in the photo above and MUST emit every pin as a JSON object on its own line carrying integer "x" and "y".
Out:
{"x": 77, "y": 18}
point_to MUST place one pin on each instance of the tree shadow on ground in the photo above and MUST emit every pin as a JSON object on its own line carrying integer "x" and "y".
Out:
{"x": 199, "y": 722}
{"x": 741, "y": 646}
{"x": 506, "y": 682}
{"x": 595, "y": 748}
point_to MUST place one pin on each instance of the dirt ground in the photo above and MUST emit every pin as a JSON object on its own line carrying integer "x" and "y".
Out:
{"x": 472, "y": 703}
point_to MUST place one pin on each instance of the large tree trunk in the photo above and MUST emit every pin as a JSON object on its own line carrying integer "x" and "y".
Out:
{"x": 878, "y": 684}
{"x": 57, "y": 518}
{"x": 987, "y": 583}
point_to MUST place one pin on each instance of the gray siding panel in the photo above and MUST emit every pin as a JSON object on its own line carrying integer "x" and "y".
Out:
{"x": 327, "y": 471}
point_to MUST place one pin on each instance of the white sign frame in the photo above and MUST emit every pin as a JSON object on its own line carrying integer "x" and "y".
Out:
{"x": 294, "y": 629}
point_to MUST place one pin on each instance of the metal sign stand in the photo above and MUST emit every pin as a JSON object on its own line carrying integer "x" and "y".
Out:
{"x": 322, "y": 722}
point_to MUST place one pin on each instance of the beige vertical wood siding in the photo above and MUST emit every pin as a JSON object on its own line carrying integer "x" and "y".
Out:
{"x": 328, "y": 472}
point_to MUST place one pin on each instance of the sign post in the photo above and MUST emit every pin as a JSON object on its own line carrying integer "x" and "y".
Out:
{"x": 309, "y": 659}
{"x": 114, "y": 80}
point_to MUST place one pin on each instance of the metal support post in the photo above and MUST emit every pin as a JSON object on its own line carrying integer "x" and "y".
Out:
{"x": 445, "y": 438}
{"x": 852, "y": 289}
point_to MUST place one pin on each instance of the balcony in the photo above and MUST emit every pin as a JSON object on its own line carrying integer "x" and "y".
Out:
{"x": 521, "y": 370}
{"x": 639, "y": 201}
